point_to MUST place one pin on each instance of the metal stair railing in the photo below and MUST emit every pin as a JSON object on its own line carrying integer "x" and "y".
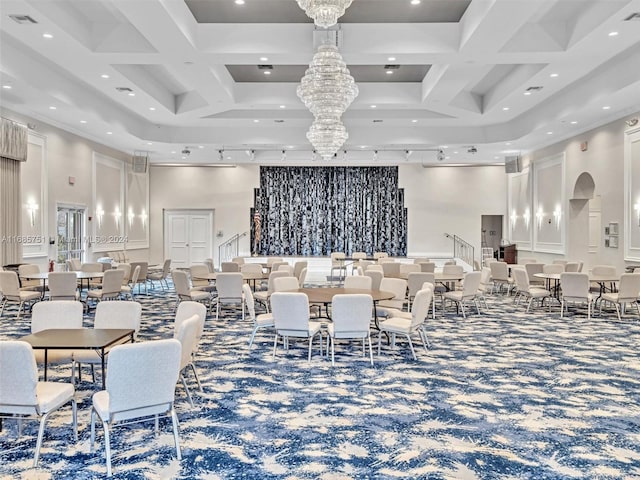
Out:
{"x": 462, "y": 249}
{"x": 230, "y": 248}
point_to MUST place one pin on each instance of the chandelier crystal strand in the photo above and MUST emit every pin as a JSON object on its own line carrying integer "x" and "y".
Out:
{"x": 325, "y": 13}
{"x": 327, "y": 135}
{"x": 327, "y": 88}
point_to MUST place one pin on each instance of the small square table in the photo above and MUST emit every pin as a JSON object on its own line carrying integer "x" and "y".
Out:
{"x": 98, "y": 339}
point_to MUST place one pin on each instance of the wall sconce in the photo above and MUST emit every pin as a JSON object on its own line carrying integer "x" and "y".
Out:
{"x": 99, "y": 215}
{"x": 143, "y": 217}
{"x": 32, "y": 208}
{"x": 117, "y": 215}
{"x": 514, "y": 219}
{"x": 557, "y": 215}
{"x": 539, "y": 216}
{"x": 527, "y": 218}
{"x": 130, "y": 216}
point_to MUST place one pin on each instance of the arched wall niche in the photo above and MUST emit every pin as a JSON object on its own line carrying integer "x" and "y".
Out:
{"x": 585, "y": 187}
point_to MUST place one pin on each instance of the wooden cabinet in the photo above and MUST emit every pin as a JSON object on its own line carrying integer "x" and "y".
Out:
{"x": 508, "y": 253}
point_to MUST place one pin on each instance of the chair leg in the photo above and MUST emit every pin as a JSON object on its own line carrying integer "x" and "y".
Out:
{"x": 74, "y": 416}
{"x": 43, "y": 420}
{"x": 370, "y": 350}
{"x": 379, "y": 339}
{"x": 176, "y": 437}
{"x": 333, "y": 350}
{"x": 464, "y": 315}
{"x": 107, "y": 446}
{"x": 195, "y": 374}
{"x": 275, "y": 344}
{"x": 562, "y": 308}
{"x": 413, "y": 352}
{"x": 93, "y": 430}
{"x": 618, "y": 312}
{"x": 425, "y": 338}
{"x": 253, "y": 335}
{"x": 186, "y": 388}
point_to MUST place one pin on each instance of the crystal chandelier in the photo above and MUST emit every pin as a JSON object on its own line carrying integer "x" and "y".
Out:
{"x": 327, "y": 87}
{"x": 327, "y": 135}
{"x": 327, "y": 90}
{"x": 325, "y": 13}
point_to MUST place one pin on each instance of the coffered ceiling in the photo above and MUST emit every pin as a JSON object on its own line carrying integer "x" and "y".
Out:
{"x": 163, "y": 76}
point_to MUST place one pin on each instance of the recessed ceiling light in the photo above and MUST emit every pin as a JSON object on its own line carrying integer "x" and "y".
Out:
{"x": 48, "y": 35}
{"x": 415, "y": 2}
{"x": 264, "y": 59}
{"x": 173, "y": 151}
{"x": 228, "y": 158}
{"x": 152, "y": 108}
{"x": 505, "y": 109}
{"x": 149, "y": 143}
{"x": 239, "y": 2}
{"x": 131, "y": 94}
{"x": 289, "y": 147}
{"x": 267, "y": 72}
{"x": 508, "y": 143}
{"x": 52, "y": 108}
{"x": 363, "y": 146}
{"x": 549, "y": 133}
{"x": 283, "y": 106}
{"x": 200, "y": 146}
{"x": 184, "y": 158}
{"x": 256, "y": 121}
{"x": 444, "y": 146}
{"x": 414, "y": 121}
{"x": 83, "y": 121}
{"x": 455, "y": 152}
{"x": 109, "y": 133}
{"x": 496, "y": 157}
{"x": 374, "y": 106}
{"x": 527, "y": 93}
{"x": 389, "y": 72}
{"x": 553, "y": 75}
{"x": 573, "y": 122}
{"x": 606, "y": 107}
{"x": 7, "y": 87}
{"x": 613, "y": 34}
{"x": 392, "y": 59}
{"x": 104, "y": 75}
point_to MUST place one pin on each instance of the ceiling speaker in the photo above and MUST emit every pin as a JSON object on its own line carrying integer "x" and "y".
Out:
{"x": 513, "y": 164}
{"x": 140, "y": 163}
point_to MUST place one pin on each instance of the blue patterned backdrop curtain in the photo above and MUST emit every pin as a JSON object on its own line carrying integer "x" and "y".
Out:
{"x": 319, "y": 210}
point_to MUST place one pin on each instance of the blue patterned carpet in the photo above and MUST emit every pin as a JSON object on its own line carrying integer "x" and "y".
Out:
{"x": 502, "y": 395}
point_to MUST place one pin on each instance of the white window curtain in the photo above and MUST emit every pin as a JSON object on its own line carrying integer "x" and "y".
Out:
{"x": 13, "y": 151}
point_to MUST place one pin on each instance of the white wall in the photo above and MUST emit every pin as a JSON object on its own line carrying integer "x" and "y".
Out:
{"x": 450, "y": 200}
{"x": 604, "y": 161}
{"x": 228, "y": 191}
{"x": 439, "y": 200}
{"x": 65, "y": 155}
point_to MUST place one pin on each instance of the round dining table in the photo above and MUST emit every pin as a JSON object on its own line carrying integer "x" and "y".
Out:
{"x": 601, "y": 280}
{"x": 324, "y": 296}
{"x": 249, "y": 276}
{"x": 44, "y": 276}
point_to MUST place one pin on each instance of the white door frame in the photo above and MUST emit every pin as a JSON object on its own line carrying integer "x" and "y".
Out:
{"x": 186, "y": 211}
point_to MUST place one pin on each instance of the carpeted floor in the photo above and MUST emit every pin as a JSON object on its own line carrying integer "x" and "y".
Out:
{"x": 501, "y": 395}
